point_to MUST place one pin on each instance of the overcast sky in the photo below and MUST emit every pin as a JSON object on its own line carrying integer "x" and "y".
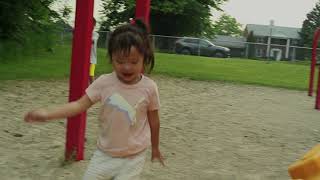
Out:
{"x": 289, "y": 13}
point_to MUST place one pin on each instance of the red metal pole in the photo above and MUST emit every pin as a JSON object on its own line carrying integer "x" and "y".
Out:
{"x": 317, "y": 106}
{"x": 143, "y": 10}
{"x": 79, "y": 77}
{"x": 313, "y": 60}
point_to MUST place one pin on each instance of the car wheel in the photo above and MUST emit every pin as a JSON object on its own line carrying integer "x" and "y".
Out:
{"x": 185, "y": 51}
{"x": 219, "y": 55}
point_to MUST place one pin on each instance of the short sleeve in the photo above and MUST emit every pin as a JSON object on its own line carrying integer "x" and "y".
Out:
{"x": 95, "y": 36}
{"x": 154, "y": 103}
{"x": 94, "y": 90}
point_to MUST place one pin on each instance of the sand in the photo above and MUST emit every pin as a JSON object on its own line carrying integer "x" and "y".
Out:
{"x": 209, "y": 130}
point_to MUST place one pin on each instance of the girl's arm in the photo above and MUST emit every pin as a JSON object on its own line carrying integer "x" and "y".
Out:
{"x": 66, "y": 110}
{"x": 154, "y": 122}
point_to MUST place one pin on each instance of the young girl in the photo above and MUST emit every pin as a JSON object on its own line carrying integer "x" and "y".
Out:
{"x": 93, "y": 54}
{"x": 130, "y": 104}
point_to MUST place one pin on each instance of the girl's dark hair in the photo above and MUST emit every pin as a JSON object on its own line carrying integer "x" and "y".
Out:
{"x": 128, "y": 35}
{"x": 94, "y": 21}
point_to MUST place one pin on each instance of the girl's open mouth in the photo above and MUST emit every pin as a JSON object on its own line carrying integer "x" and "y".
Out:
{"x": 127, "y": 74}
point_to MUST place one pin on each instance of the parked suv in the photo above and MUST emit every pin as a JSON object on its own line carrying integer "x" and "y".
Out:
{"x": 202, "y": 47}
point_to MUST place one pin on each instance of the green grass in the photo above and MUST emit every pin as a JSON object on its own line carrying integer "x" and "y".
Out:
{"x": 51, "y": 66}
{"x": 45, "y": 65}
{"x": 268, "y": 73}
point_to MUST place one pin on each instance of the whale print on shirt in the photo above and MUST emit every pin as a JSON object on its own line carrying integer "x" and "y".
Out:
{"x": 117, "y": 101}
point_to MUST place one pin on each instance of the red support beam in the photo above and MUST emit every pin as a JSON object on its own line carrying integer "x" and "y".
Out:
{"x": 313, "y": 60}
{"x": 80, "y": 70}
{"x": 317, "y": 106}
{"x": 143, "y": 10}
{"x": 79, "y": 77}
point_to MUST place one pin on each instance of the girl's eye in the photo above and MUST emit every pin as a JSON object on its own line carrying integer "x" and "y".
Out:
{"x": 120, "y": 62}
{"x": 134, "y": 62}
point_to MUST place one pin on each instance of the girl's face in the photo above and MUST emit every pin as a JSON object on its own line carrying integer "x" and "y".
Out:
{"x": 128, "y": 68}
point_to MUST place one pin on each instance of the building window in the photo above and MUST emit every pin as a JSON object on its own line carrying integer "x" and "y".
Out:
{"x": 260, "y": 40}
{"x": 259, "y": 52}
{"x": 294, "y": 42}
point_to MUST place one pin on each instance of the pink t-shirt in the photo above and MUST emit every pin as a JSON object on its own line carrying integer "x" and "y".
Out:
{"x": 123, "y": 119}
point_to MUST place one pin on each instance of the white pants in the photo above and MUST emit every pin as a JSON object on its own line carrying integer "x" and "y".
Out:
{"x": 105, "y": 167}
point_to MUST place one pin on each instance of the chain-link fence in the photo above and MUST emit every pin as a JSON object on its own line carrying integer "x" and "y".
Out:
{"x": 234, "y": 47}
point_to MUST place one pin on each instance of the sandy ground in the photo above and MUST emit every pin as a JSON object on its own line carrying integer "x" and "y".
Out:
{"x": 209, "y": 130}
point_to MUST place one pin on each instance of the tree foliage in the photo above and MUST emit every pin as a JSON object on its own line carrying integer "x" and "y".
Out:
{"x": 167, "y": 17}
{"x": 65, "y": 13}
{"x": 26, "y": 25}
{"x": 19, "y": 17}
{"x": 310, "y": 25}
{"x": 227, "y": 25}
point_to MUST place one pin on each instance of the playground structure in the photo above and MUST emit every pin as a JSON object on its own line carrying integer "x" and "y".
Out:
{"x": 308, "y": 167}
{"x": 81, "y": 44}
{"x": 312, "y": 69}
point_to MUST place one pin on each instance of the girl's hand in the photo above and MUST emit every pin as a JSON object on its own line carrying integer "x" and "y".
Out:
{"x": 39, "y": 115}
{"x": 156, "y": 155}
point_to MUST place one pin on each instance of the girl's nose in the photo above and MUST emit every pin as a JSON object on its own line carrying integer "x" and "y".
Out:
{"x": 126, "y": 66}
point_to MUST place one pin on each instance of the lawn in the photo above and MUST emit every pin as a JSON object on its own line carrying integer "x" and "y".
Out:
{"x": 268, "y": 73}
{"x": 56, "y": 65}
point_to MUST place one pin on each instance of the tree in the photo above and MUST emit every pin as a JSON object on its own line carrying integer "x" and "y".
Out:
{"x": 65, "y": 13}
{"x": 167, "y": 17}
{"x": 310, "y": 25}
{"x": 227, "y": 25}
{"x": 26, "y": 25}
{"x": 18, "y": 17}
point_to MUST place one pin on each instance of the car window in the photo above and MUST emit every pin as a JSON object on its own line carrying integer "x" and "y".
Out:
{"x": 204, "y": 43}
{"x": 194, "y": 41}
